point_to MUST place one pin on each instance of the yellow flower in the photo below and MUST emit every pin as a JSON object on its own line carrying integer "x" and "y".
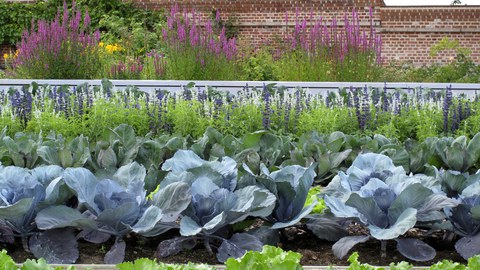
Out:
{"x": 112, "y": 48}
{"x": 5, "y": 56}
{"x": 101, "y": 44}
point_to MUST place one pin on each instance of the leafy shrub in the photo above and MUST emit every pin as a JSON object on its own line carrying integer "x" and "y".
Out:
{"x": 259, "y": 66}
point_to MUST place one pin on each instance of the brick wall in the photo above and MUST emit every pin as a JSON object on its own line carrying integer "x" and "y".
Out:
{"x": 407, "y": 32}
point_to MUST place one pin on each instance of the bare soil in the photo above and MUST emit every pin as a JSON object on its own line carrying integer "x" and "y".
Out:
{"x": 314, "y": 250}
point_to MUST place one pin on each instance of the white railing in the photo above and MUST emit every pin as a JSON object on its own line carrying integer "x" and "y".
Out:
{"x": 467, "y": 89}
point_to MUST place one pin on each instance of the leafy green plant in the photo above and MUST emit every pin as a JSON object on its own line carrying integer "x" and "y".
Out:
{"x": 148, "y": 264}
{"x": 16, "y": 16}
{"x": 55, "y": 151}
{"x": 457, "y": 154}
{"x": 41, "y": 264}
{"x": 259, "y": 66}
{"x": 6, "y": 262}
{"x": 356, "y": 265}
{"x": 269, "y": 258}
{"x": 21, "y": 150}
{"x": 312, "y": 197}
{"x": 447, "y": 265}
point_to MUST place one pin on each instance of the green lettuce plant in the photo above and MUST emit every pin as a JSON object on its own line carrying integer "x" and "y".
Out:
{"x": 268, "y": 258}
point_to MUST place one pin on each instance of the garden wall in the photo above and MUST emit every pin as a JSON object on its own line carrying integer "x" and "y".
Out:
{"x": 407, "y": 32}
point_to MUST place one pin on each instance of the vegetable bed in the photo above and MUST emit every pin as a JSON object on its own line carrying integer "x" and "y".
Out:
{"x": 217, "y": 196}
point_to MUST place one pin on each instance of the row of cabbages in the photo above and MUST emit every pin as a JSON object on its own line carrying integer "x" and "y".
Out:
{"x": 49, "y": 207}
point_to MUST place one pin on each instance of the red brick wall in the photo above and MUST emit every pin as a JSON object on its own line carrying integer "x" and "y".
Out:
{"x": 407, "y": 32}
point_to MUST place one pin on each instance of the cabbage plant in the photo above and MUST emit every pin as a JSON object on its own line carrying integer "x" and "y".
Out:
{"x": 465, "y": 219}
{"x": 290, "y": 185}
{"x": 457, "y": 154}
{"x": 23, "y": 193}
{"x": 217, "y": 202}
{"x": 116, "y": 207}
{"x": 388, "y": 202}
{"x": 454, "y": 183}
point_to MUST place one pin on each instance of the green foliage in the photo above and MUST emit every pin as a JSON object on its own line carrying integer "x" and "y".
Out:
{"x": 327, "y": 120}
{"x": 186, "y": 119}
{"x": 356, "y": 265}
{"x": 312, "y": 197}
{"x": 474, "y": 262}
{"x": 269, "y": 258}
{"x": 16, "y": 16}
{"x": 447, "y": 265}
{"x": 148, "y": 264}
{"x": 41, "y": 264}
{"x": 259, "y": 66}
{"x": 231, "y": 30}
{"x": 448, "y": 44}
{"x": 6, "y": 262}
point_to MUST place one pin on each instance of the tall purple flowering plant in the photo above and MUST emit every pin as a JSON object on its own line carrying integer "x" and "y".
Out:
{"x": 194, "y": 51}
{"x": 324, "y": 50}
{"x": 65, "y": 48}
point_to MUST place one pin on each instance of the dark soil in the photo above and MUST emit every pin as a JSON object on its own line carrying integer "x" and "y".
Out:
{"x": 314, "y": 251}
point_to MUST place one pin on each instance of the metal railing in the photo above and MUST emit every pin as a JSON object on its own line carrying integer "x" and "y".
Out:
{"x": 467, "y": 89}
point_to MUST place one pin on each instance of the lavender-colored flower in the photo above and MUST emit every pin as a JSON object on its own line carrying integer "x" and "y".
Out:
{"x": 385, "y": 99}
{"x": 365, "y": 117}
{"x": 267, "y": 110}
{"x": 217, "y": 106}
{"x": 447, "y": 102}
{"x": 288, "y": 107}
{"x": 356, "y": 103}
{"x": 396, "y": 111}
